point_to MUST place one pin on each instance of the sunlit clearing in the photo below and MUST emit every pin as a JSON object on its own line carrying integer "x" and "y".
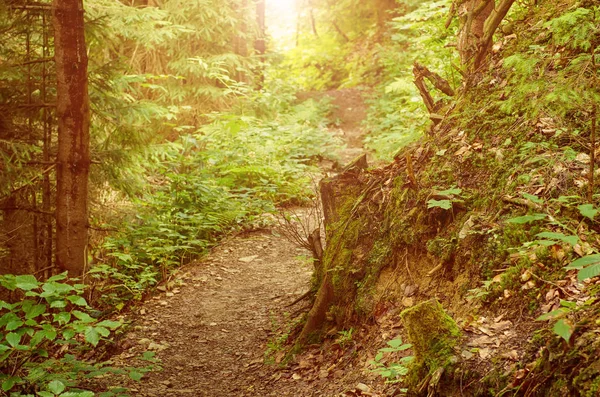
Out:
{"x": 281, "y": 21}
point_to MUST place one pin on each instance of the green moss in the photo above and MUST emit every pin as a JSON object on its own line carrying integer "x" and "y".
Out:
{"x": 433, "y": 334}
{"x": 442, "y": 248}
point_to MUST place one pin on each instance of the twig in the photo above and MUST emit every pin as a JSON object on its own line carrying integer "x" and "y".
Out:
{"x": 522, "y": 202}
{"x": 551, "y": 283}
{"x": 301, "y": 298}
{"x": 407, "y": 268}
{"x": 593, "y": 136}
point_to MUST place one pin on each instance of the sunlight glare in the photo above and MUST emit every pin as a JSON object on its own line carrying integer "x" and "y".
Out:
{"x": 281, "y": 21}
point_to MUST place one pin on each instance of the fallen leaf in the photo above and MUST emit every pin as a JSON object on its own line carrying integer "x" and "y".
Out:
{"x": 484, "y": 352}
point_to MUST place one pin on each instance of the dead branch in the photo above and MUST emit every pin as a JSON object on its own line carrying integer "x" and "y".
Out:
{"x": 301, "y": 298}
{"x": 427, "y": 99}
{"x": 438, "y": 81}
{"x": 522, "y": 202}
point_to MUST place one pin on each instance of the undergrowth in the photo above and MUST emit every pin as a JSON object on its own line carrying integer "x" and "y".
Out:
{"x": 222, "y": 177}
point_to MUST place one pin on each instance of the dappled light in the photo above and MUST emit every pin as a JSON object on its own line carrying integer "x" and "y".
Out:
{"x": 299, "y": 198}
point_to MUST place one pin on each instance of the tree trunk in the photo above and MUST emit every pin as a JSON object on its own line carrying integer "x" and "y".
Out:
{"x": 479, "y": 20}
{"x": 260, "y": 44}
{"x": 472, "y": 14}
{"x": 73, "y": 159}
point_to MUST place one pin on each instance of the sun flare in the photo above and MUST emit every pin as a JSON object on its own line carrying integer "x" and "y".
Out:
{"x": 281, "y": 20}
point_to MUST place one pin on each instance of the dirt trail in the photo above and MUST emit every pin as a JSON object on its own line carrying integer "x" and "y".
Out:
{"x": 211, "y": 329}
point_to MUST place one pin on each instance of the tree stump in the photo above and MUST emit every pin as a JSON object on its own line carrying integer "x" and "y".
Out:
{"x": 434, "y": 335}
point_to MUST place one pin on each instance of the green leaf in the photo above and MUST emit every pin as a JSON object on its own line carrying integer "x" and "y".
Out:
{"x": 109, "y": 324}
{"x": 50, "y": 332}
{"x": 521, "y": 220}
{"x": 589, "y": 272}
{"x": 68, "y": 334}
{"x": 84, "y": 317}
{"x": 568, "y": 304}
{"x": 573, "y": 240}
{"x": 553, "y": 314}
{"x": 450, "y": 192}
{"x": 92, "y": 336}
{"x": 395, "y": 342}
{"x": 77, "y": 300}
{"x": 587, "y": 210}
{"x": 443, "y": 204}
{"x": 585, "y": 261}
{"x": 13, "y": 339}
{"x": 58, "y": 277}
{"x": 148, "y": 356}
{"x": 10, "y": 382}
{"x": 36, "y": 339}
{"x": 102, "y": 331}
{"x": 35, "y": 311}
{"x": 15, "y": 324}
{"x": 58, "y": 304}
{"x": 136, "y": 375}
{"x": 45, "y": 394}
{"x": 62, "y": 318}
{"x": 564, "y": 329}
{"x": 26, "y": 282}
{"x": 7, "y": 318}
{"x": 77, "y": 394}
{"x": 532, "y": 198}
{"x": 56, "y": 387}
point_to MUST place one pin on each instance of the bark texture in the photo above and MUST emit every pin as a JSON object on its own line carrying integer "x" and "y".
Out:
{"x": 73, "y": 158}
{"x": 479, "y": 20}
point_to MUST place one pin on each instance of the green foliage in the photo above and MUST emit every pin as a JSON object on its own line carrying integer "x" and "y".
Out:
{"x": 556, "y": 75}
{"x": 521, "y": 220}
{"x": 588, "y": 266}
{"x": 44, "y": 335}
{"x": 443, "y": 204}
{"x": 397, "y": 115}
{"x": 564, "y": 327}
{"x": 203, "y": 185}
{"x": 393, "y": 372}
{"x": 345, "y": 338}
{"x": 453, "y": 194}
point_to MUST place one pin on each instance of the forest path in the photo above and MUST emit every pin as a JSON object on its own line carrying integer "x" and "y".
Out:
{"x": 211, "y": 328}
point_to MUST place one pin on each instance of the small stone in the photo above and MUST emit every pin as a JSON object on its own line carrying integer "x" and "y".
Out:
{"x": 296, "y": 377}
{"x": 248, "y": 259}
{"x": 362, "y": 387}
{"x": 167, "y": 383}
{"x": 467, "y": 355}
{"x": 169, "y": 294}
{"x": 163, "y": 303}
{"x": 213, "y": 324}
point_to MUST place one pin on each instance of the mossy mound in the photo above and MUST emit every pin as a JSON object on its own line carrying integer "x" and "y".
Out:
{"x": 434, "y": 336}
